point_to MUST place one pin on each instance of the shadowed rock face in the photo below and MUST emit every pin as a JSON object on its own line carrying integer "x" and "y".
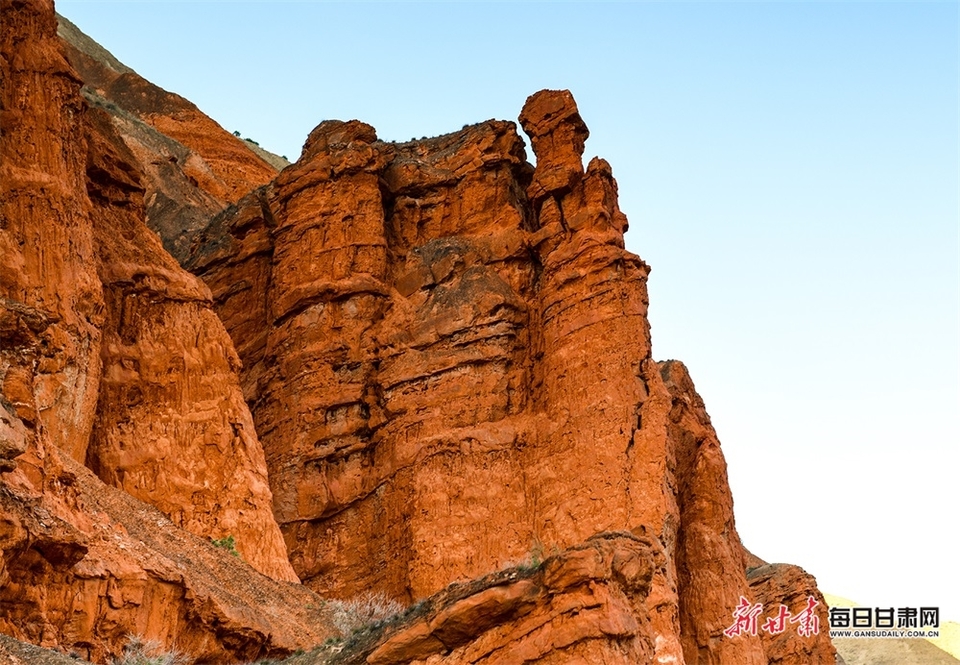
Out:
{"x": 191, "y": 167}
{"x": 172, "y": 428}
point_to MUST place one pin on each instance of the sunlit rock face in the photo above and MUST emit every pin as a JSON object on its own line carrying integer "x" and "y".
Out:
{"x": 447, "y": 354}
{"x": 394, "y": 367}
{"x": 111, "y": 355}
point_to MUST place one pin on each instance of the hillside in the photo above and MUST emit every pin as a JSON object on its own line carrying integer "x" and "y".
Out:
{"x": 235, "y": 401}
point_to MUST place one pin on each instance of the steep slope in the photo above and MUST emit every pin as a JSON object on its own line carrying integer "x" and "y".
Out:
{"x": 113, "y": 344}
{"x": 192, "y": 167}
{"x": 85, "y": 566}
{"x": 15, "y": 652}
{"x": 82, "y": 565}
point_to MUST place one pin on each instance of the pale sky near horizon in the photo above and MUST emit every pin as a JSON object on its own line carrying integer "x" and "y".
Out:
{"x": 790, "y": 171}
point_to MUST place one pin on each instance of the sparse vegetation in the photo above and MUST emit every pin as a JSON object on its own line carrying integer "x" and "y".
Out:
{"x": 226, "y": 543}
{"x": 538, "y": 555}
{"x": 139, "y": 651}
{"x": 350, "y": 616}
{"x": 242, "y": 138}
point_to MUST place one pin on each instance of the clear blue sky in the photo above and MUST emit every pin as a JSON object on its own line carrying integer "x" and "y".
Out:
{"x": 790, "y": 171}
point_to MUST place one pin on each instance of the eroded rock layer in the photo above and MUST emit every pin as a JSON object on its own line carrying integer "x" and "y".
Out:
{"x": 585, "y": 605}
{"x": 443, "y": 350}
{"x": 171, "y": 428}
{"x": 191, "y": 167}
{"x": 85, "y": 566}
{"x": 779, "y": 584}
{"x": 86, "y": 295}
{"x": 51, "y": 304}
{"x": 448, "y": 359}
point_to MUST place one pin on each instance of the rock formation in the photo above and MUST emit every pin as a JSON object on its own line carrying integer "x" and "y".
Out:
{"x": 111, "y": 355}
{"x": 85, "y": 566}
{"x": 448, "y": 359}
{"x": 191, "y": 167}
{"x": 585, "y": 605}
{"x": 779, "y": 583}
{"x": 112, "y": 344}
{"x": 442, "y": 350}
{"x": 169, "y": 378}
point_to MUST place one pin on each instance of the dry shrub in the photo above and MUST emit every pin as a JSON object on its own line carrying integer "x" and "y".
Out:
{"x": 349, "y": 616}
{"x": 149, "y": 652}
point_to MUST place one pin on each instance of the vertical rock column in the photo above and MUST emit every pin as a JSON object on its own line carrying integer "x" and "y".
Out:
{"x": 172, "y": 427}
{"x": 391, "y": 383}
{"x": 50, "y": 301}
{"x": 454, "y": 371}
{"x": 593, "y": 334}
{"x": 314, "y": 416}
{"x": 167, "y": 419}
{"x": 599, "y": 388}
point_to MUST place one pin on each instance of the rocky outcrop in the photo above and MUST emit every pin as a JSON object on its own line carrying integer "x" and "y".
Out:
{"x": 85, "y": 566}
{"x": 710, "y": 561}
{"x": 192, "y": 167}
{"x": 584, "y": 605}
{"x": 443, "y": 350}
{"x": 170, "y": 378}
{"x": 111, "y": 354}
{"x": 108, "y": 342}
{"x": 302, "y": 273}
{"x": 779, "y": 584}
{"x": 51, "y": 305}
{"x": 447, "y": 355}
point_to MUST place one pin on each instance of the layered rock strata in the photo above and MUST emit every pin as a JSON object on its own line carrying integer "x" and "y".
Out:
{"x": 584, "y": 605}
{"x": 448, "y": 359}
{"x": 112, "y": 355}
{"x": 448, "y": 362}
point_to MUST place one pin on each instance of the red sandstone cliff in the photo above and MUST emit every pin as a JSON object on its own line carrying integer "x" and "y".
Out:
{"x": 446, "y": 358}
{"x": 115, "y": 356}
{"x": 191, "y": 167}
{"x": 111, "y": 354}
